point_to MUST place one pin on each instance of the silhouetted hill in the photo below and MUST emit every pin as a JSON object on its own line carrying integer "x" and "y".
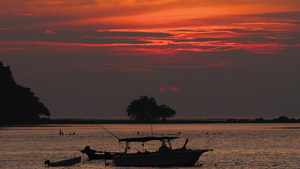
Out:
{"x": 18, "y": 105}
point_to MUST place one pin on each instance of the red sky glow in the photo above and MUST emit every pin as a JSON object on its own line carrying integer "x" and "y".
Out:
{"x": 115, "y": 51}
{"x": 174, "y": 89}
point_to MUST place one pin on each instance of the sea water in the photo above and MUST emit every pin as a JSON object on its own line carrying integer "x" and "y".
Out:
{"x": 235, "y": 145}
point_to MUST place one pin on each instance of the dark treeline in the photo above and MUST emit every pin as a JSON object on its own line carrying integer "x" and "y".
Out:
{"x": 18, "y": 104}
{"x": 281, "y": 119}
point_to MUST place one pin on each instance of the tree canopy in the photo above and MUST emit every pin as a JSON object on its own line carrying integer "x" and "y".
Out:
{"x": 145, "y": 109}
{"x": 18, "y": 104}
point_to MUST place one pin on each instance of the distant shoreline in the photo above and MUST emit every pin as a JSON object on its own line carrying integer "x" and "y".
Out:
{"x": 63, "y": 125}
{"x": 281, "y": 119}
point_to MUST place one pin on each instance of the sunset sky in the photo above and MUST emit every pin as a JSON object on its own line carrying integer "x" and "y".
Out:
{"x": 204, "y": 59}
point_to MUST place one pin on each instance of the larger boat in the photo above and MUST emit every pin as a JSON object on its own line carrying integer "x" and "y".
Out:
{"x": 165, "y": 156}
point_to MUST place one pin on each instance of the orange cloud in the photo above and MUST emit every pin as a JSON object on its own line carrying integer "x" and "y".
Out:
{"x": 138, "y": 14}
{"x": 24, "y": 14}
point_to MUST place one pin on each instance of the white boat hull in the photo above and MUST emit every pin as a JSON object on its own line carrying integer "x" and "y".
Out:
{"x": 179, "y": 157}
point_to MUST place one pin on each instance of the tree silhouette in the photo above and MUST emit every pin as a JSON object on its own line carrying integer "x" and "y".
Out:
{"x": 145, "y": 109}
{"x": 165, "y": 112}
{"x": 18, "y": 104}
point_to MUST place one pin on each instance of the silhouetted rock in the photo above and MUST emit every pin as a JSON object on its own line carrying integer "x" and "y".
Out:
{"x": 18, "y": 104}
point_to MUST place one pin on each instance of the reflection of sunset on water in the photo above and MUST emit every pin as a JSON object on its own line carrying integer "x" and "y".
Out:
{"x": 235, "y": 145}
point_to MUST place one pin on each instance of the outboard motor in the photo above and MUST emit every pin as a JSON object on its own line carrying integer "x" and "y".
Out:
{"x": 47, "y": 163}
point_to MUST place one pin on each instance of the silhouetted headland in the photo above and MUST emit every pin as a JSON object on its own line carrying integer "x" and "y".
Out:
{"x": 18, "y": 104}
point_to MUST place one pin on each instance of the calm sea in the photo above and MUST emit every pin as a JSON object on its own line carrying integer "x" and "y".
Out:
{"x": 235, "y": 145}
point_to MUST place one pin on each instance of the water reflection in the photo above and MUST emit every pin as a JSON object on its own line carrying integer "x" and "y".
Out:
{"x": 235, "y": 145}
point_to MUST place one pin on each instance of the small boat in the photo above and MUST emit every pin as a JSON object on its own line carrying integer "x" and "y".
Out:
{"x": 165, "y": 156}
{"x": 94, "y": 155}
{"x": 68, "y": 162}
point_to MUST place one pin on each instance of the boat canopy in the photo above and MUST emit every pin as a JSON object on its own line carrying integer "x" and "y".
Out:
{"x": 145, "y": 139}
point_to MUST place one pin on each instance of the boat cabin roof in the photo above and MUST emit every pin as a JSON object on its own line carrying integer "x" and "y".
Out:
{"x": 145, "y": 139}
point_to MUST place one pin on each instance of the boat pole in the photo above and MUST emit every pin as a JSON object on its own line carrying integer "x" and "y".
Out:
{"x": 151, "y": 129}
{"x": 151, "y": 122}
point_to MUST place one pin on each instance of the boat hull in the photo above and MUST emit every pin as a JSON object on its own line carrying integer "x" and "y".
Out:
{"x": 179, "y": 157}
{"x": 95, "y": 155}
{"x": 68, "y": 162}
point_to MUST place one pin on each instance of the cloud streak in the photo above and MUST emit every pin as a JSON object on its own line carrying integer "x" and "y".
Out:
{"x": 174, "y": 89}
{"x": 260, "y": 40}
